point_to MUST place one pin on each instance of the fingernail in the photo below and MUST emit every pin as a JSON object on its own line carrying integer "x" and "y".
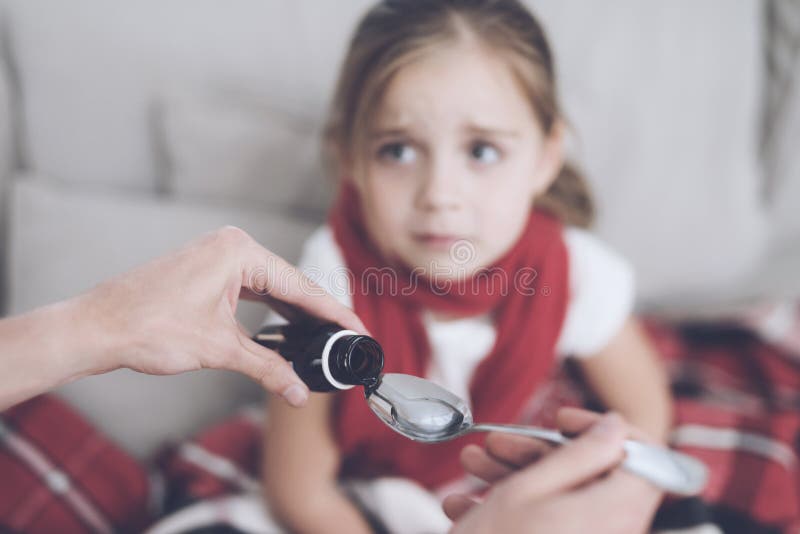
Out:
{"x": 296, "y": 395}
{"x": 607, "y": 425}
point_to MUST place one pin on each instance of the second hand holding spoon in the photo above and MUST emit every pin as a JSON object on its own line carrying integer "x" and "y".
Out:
{"x": 423, "y": 411}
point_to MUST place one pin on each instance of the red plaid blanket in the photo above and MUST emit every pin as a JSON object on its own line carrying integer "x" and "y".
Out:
{"x": 737, "y": 409}
{"x": 58, "y": 474}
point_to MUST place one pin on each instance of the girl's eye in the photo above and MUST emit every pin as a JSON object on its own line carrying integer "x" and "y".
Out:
{"x": 398, "y": 152}
{"x": 485, "y": 153}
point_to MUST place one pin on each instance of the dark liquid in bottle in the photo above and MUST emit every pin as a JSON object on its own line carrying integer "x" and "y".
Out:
{"x": 326, "y": 357}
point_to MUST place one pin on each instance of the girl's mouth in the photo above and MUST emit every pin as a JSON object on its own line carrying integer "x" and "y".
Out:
{"x": 438, "y": 242}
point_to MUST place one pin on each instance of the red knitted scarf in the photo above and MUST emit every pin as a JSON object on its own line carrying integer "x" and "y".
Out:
{"x": 528, "y": 317}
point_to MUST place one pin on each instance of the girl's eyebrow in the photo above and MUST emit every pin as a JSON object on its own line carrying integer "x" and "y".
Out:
{"x": 472, "y": 129}
{"x": 491, "y": 131}
{"x": 394, "y": 131}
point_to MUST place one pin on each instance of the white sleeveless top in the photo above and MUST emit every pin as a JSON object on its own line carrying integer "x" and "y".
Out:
{"x": 601, "y": 299}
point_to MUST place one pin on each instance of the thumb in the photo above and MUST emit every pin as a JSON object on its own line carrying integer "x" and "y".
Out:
{"x": 580, "y": 460}
{"x": 455, "y": 506}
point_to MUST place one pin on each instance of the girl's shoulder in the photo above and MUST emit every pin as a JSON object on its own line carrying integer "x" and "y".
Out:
{"x": 321, "y": 247}
{"x": 589, "y": 253}
{"x": 322, "y": 261}
{"x": 602, "y": 291}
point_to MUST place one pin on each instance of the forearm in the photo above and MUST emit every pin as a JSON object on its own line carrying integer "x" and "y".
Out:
{"x": 629, "y": 377}
{"x": 649, "y": 411}
{"x": 45, "y": 348}
{"x": 321, "y": 510}
{"x": 301, "y": 464}
{"x": 309, "y": 501}
{"x": 645, "y": 404}
{"x": 643, "y": 399}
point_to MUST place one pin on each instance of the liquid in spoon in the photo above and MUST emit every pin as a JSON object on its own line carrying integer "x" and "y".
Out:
{"x": 413, "y": 412}
{"x": 426, "y": 417}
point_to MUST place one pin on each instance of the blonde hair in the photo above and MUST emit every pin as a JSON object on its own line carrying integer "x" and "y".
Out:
{"x": 396, "y": 32}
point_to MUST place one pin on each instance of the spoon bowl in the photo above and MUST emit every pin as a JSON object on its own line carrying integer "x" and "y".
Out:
{"x": 419, "y": 409}
{"x": 426, "y": 412}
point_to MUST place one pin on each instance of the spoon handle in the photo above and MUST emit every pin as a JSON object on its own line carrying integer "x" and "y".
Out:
{"x": 553, "y": 436}
{"x": 669, "y": 470}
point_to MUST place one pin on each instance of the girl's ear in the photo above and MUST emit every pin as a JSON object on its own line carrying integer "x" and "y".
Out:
{"x": 552, "y": 158}
{"x": 353, "y": 173}
{"x": 347, "y": 176}
{"x": 338, "y": 160}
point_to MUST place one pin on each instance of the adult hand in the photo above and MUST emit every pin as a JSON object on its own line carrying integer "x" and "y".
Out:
{"x": 573, "y": 488}
{"x": 172, "y": 315}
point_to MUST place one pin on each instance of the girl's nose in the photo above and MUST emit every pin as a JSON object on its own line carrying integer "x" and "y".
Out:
{"x": 438, "y": 189}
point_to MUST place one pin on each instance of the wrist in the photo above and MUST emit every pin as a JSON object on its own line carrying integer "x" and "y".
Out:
{"x": 646, "y": 494}
{"x": 43, "y": 349}
{"x": 336, "y": 509}
{"x": 82, "y": 338}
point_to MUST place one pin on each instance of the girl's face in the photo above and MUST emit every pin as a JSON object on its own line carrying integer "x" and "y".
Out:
{"x": 456, "y": 157}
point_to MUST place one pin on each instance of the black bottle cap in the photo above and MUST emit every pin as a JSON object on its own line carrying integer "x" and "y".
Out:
{"x": 356, "y": 359}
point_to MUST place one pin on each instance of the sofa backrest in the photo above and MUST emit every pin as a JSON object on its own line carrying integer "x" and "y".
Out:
{"x": 146, "y": 122}
{"x": 6, "y": 144}
{"x": 666, "y": 118}
{"x": 96, "y": 73}
{"x": 6, "y": 151}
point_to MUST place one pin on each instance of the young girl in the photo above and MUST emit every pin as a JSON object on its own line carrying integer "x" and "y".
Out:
{"x": 455, "y": 239}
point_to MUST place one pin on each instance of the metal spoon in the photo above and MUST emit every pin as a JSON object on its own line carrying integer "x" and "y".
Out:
{"x": 423, "y": 411}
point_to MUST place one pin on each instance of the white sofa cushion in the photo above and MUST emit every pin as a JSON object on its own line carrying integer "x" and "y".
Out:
{"x": 64, "y": 241}
{"x": 6, "y": 136}
{"x": 94, "y": 70}
{"x": 782, "y": 157}
{"x": 233, "y": 148}
{"x": 666, "y": 119}
{"x": 6, "y": 147}
{"x": 776, "y": 276}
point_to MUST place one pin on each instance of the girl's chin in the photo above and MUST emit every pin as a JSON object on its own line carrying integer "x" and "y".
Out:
{"x": 436, "y": 244}
{"x": 442, "y": 268}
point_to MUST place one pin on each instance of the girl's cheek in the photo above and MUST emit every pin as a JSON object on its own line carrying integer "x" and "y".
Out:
{"x": 381, "y": 191}
{"x": 384, "y": 206}
{"x": 396, "y": 193}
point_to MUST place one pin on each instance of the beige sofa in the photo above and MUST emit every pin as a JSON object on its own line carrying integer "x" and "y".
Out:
{"x": 128, "y": 127}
